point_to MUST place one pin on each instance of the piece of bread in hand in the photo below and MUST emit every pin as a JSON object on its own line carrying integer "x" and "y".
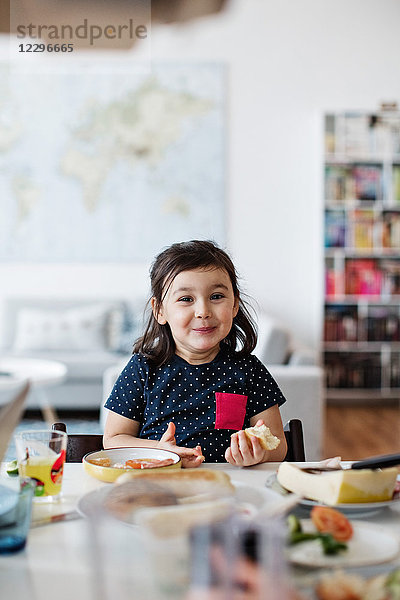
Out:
{"x": 267, "y": 440}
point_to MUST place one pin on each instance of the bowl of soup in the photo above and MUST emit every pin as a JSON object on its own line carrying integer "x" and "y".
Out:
{"x": 108, "y": 465}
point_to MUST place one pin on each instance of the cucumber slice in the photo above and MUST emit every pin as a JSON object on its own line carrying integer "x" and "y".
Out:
{"x": 12, "y": 468}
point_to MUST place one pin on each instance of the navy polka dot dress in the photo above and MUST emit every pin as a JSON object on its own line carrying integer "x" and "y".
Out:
{"x": 206, "y": 402}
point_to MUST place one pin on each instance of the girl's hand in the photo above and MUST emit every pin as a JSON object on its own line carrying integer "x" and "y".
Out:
{"x": 242, "y": 452}
{"x": 169, "y": 435}
{"x": 191, "y": 457}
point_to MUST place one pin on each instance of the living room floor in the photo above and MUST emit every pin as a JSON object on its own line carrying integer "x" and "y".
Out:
{"x": 355, "y": 431}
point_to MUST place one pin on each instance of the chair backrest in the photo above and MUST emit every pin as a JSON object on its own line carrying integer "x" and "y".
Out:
{"x": 80, "y": 444}
{"x": 295, "y": 441}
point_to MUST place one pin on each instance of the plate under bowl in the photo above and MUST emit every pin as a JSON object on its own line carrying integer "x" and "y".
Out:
{"x": 121, "y": 455}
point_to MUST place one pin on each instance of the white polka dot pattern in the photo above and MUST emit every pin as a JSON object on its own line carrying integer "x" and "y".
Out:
{"x": 185, "y": 394}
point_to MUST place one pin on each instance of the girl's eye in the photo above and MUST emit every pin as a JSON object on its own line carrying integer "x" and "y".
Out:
{"x": 217, "y": 296}
{"x": 185, "y": 299}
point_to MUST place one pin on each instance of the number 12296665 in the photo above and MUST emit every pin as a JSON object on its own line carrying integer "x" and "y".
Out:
{"x": 45, "y": 48}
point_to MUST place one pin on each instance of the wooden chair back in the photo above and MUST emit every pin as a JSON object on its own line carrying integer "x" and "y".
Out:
{"x": 79, "y": 444}
{"x": 295, "y": 441}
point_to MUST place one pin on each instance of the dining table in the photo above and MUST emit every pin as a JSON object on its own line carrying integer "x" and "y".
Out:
{"x": 63, "y": 556}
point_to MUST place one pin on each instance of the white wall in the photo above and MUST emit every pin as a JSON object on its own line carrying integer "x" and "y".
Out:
{"x": 288, "y": 61}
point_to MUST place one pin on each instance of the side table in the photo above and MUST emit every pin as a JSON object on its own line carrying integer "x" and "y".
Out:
{"x": 14, "y": 371}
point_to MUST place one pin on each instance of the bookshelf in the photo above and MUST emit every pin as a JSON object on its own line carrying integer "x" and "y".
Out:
{"x": 361, "y": 344}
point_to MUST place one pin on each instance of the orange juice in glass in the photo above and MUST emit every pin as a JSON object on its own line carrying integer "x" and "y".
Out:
{"x": 41, "y": 456}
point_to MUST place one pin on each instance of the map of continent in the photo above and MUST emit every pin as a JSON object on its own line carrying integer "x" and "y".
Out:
{"x": 110, "y": 165}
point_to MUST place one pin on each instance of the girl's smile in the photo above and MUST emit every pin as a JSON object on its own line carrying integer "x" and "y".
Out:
{"x": 199, "y": 306}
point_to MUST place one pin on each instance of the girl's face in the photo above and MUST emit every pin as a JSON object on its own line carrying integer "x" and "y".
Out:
{"x": 199, "y": 308}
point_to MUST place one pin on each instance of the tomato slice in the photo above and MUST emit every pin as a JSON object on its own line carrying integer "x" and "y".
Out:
{"x": 101, "y": 462}
{"x": 134, "y": 464}
{"x": 330, "y": 520}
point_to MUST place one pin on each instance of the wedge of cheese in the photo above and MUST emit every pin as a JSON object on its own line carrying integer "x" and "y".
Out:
{"x": 339, "y": 487}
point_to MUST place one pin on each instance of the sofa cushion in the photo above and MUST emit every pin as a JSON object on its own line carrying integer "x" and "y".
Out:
{"x": 12, "y": 308}
{"x": 80, "y": 328}
{"x": 273, "y": 341}
{"x": 127, "y": 325}
{"x": 302, "y": 356}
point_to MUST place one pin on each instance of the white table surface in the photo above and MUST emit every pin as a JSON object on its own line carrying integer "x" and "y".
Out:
{"x": 41, "y": 373}
{"x": 59, "y": 556}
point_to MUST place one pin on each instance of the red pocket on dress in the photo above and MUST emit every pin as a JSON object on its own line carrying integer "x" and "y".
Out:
{"x": 230, "y": 410}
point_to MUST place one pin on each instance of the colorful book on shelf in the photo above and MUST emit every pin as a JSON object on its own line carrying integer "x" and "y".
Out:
{"x": 363, "y": 277}
{"x": 367, "y": 182}
{"x": 353, "y": 370}
{"x": 339, "y": 183}
{"x": 335, "y": 229}
{"x": 391, "y": 229}
{"x": 383, "y": 324}
{"x": 369, "y": 135}
{"x": 357, "y": 134}
{"x": 353, "y": 182}
{"x": 361, "y": 229}
{"x": 334, "y": 282}
{"x": 396, "y": 183}
{"x": 330, "y": 134}
{"x": 331, "y": 328}
{"x": 391, "y": 276}
{"x": 341, "y": 324}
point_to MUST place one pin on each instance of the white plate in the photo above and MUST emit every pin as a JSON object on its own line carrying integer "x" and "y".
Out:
{"x": 249, "y": 499}
{"x": 354, "y": 510}
{"x": 91, "y": 503}
{"x": 370, "y": 545}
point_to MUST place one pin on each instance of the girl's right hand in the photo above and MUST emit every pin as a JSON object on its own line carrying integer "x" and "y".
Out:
{"x": 241, "y": 453}
{"x": 191, "y": 457}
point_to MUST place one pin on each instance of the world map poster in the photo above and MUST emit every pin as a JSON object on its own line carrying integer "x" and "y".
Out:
{"x": 110, "y": 166}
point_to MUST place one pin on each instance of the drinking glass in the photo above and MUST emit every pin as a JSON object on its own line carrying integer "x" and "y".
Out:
{"x": 41, "y": 457}
{"x": 119, "y": 558}
{"x": 236, "y": 559}
{"x": 15, "y": 517}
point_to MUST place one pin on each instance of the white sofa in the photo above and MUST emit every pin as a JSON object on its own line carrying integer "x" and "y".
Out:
{"x": 296, "y": 372}
{"x": 86, "y": 335}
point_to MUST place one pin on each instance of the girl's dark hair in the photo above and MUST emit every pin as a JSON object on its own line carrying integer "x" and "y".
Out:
{"x": 157, "y": 342}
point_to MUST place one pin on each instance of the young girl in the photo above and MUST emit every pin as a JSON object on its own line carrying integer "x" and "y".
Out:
{"x": 188, "y": 388}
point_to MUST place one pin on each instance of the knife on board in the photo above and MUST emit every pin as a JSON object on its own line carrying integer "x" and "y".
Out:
{"x": 377, "y": 462}
{"x": 68, "y": 516}
{"x": 374, "y": 462}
